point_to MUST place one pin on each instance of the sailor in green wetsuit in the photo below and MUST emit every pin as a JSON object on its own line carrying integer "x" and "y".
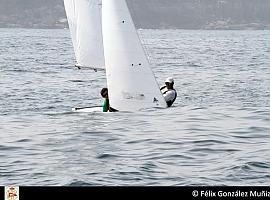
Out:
{"x": 106, "y": 104}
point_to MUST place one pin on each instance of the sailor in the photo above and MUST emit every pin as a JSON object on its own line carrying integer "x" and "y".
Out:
{"x": 106, "y": 104}
{"x": 169, "y": 93}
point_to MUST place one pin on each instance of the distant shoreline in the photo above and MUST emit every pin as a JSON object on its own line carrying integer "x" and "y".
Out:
{"x": 166, "y": 28}
{"x": 158, "y": 14}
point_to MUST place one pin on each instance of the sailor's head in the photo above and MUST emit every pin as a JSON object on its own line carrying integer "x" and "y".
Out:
{"x": 169, "y": 82}
{"x": 104, "y": 92}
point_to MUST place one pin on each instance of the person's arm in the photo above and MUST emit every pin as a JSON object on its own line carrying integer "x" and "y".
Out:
{"x": 163, "y": 87}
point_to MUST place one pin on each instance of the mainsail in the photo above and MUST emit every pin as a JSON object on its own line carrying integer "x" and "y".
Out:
{"x": 130, "y": 80}
{"x": 84, "y": 19}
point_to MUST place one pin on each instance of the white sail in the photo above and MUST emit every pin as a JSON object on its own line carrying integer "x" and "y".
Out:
{"x": 84, "y": 19}
{"x": 130, "y": 80}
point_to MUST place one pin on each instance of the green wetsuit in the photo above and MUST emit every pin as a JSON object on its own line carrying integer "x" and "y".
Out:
{"x": 105, "y": 105}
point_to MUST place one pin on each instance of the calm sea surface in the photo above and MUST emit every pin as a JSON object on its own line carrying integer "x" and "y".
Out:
{"x": 217, "y": 133}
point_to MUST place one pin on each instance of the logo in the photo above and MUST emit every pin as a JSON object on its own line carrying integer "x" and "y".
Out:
{"x": 11, "y": 193}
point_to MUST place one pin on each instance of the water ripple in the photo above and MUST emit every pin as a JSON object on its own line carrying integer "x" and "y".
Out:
{"x": 217, "y": 132}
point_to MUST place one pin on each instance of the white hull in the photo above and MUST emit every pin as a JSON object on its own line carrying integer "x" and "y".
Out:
{"x": 88, "y": 109}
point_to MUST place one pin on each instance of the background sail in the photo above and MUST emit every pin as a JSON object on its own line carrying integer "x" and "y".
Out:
{"x": 131, "y": 83}
{"x": 84, "y": 19}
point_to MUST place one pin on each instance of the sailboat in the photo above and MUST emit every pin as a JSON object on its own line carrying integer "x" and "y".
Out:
{"x": 131, "y": 83}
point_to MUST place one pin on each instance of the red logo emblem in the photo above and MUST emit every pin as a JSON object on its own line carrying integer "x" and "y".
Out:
{"x": 12, "y": 193}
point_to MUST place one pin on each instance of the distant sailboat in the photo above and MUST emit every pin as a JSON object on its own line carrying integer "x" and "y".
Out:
{"x": 130, "y": 80}
{"x": 84, "y": 19}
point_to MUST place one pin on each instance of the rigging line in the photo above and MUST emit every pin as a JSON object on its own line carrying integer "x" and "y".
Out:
{"x": 71, "y": 28}
{"x": 144, "y": 49}
{"x": 141, "y": 37}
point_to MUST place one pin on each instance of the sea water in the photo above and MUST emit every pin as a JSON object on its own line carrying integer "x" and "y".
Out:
{"x": 217, "y": 132}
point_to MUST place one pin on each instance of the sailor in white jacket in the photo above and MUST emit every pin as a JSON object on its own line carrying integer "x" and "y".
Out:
{"x": 169, "y": 93}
